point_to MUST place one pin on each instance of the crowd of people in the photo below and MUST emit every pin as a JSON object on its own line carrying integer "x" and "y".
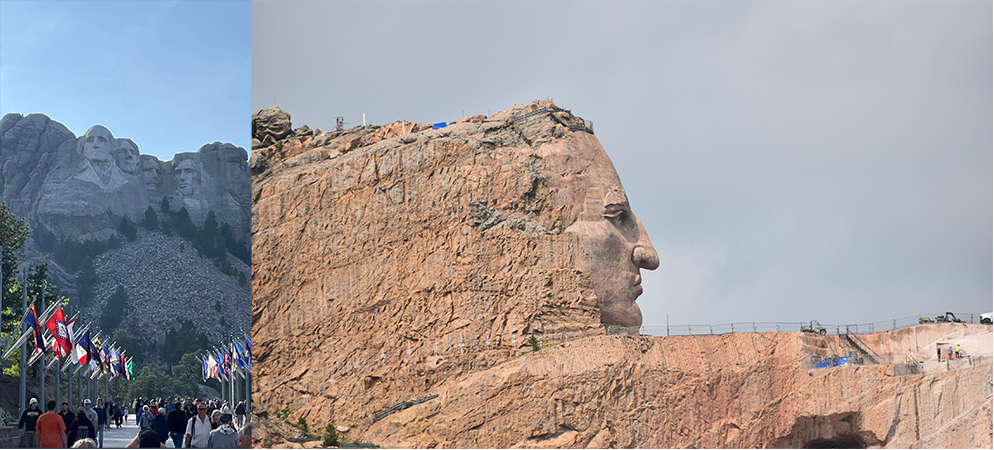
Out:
{"x": 189, "y": 423}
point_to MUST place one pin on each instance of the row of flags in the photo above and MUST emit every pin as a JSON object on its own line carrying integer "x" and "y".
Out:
{"x": 76, "y": 348}
{"x": 228, "y": 361}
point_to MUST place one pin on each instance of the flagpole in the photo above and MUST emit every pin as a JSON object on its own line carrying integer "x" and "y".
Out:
{"x": 69, "y": 394}
{"x": 41, "y": 373}
{"x": 24, "y": 344}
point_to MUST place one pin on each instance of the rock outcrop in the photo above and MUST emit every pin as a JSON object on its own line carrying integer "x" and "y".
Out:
{"x": 387, "y": 247}
{"x": 392, "y": 263}
{"x": 167, "y": 282}
{"x": 741, "y": 390}
{"x": 81, "y": 188}
{"x": 271, "y": 125}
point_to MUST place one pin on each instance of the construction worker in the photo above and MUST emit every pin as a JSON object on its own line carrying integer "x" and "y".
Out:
{"x": 950, "y": 358}
{"x": 957, "y": 351}
{"x": 938, "y": 352}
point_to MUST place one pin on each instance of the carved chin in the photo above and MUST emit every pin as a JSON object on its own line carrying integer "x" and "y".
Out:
{"x": 620, "y": 313}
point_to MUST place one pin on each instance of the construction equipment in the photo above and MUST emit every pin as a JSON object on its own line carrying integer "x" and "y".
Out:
{"x": 948, "y": 317}
{"x": 813, "y": 327}
{"x": 986, "y": 318}
{"x": 923, "y": 320}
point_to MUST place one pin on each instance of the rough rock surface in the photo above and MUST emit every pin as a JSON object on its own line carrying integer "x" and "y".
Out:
{"x": 47, "y": 175}
{"x": 396, "y": 262}
{"x": 81, "y": 188}
{"x": 196, "y": 289}
{"x": 270, "y": 125}
{"x": 381, "y": 253}
{"x": 731, "y": 391}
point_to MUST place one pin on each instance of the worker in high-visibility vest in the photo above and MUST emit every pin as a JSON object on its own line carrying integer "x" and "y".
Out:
{"x": 957, "y": 351}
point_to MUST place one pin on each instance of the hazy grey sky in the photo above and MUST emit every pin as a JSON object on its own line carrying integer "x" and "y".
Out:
{"x": 790, "y": 160}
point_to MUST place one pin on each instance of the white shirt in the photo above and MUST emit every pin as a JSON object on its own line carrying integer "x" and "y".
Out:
{"x": 200, "y": 432}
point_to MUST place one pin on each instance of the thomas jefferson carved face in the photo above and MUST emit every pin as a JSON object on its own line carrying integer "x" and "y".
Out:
{"x": 126, "y": 157}
{"x": 188, "y": 176}
{"x": 97, "y": 145}
{"x": 613, "y": 243}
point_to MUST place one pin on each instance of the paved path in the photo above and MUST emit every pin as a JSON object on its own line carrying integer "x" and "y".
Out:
{"x": 120, "y": 437}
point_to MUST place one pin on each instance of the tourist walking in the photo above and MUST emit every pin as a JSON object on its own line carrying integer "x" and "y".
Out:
{"x": 101, "y": 411}
{"x": 51, "y": 428}
{"x": 26, "y": 426}
{"x": 198, "y": 428}
{"x": 176, "y": 422}
{"x": 225, "y": 436}
{"x": 81, "y": 428}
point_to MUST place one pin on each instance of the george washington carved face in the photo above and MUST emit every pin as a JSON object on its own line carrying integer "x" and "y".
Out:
{"x": 97, "y": 145}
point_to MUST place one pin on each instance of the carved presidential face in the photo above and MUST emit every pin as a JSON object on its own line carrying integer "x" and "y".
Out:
{"x": 188, "y": 177}
{"x": 150, "y": 173}
{"x": 126, "y": 156}
{"x": 97, "y": 145}
{"x": 613, "y": 243}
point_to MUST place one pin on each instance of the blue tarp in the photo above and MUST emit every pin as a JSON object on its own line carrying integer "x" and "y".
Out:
{"x": 439, "y": 125}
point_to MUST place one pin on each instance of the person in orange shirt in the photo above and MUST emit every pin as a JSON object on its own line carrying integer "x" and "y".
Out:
{"x": 51, "y": 428}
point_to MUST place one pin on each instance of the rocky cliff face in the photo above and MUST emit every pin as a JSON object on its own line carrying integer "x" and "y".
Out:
{"x": 377, "y": 253}
{"x": 80, "y": 188}
{"x": 396, "y": 262}
{"x": 732, "y": 391}
{"x": 740, "y": 390}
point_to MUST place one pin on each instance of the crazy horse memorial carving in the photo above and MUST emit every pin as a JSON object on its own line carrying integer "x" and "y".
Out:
{"x": 394, "y": 257}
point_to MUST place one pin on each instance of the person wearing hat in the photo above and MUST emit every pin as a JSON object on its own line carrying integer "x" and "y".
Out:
{"x": 91, "y": 415}
{"x": 225, "y": 435}
{"x": 26, "y": 426}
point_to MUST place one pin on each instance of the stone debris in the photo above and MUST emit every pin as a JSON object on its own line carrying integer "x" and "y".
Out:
{"x": 167, "y": 282}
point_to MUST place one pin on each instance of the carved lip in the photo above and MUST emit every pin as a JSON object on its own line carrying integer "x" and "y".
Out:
{"x": 638, "y": 279}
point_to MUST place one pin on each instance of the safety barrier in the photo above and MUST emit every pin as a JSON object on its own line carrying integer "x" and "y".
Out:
{"x": 9, "y": 437}
{"x": 781, "y": 327}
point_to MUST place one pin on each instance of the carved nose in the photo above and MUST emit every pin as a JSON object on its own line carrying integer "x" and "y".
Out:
{"x": 644, "y": 256}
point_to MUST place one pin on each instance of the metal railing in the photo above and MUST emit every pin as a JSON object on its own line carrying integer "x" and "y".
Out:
{"x": 782, "y": 327}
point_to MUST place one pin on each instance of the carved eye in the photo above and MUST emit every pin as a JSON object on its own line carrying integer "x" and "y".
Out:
{"x": 616, "y": 214}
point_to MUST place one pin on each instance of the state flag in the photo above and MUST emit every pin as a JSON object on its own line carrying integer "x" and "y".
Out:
{"x": 83, "y": 348}
{"x": 31, "y": 318}
{"x": 62, "y": 344}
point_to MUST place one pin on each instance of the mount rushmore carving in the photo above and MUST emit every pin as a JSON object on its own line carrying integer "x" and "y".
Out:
{"x": 81, "y": 187}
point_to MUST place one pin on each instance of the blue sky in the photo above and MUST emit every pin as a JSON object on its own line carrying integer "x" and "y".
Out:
{"x": 170, "y": 75}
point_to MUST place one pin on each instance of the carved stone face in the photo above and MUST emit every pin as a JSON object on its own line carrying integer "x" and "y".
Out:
{"x": 97, "y": 145}
{"x": 126, "y": 158}
{"x": 188, "y": 177}
{"x": 150, "y": 173}
{"x": 613, "y": 243}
